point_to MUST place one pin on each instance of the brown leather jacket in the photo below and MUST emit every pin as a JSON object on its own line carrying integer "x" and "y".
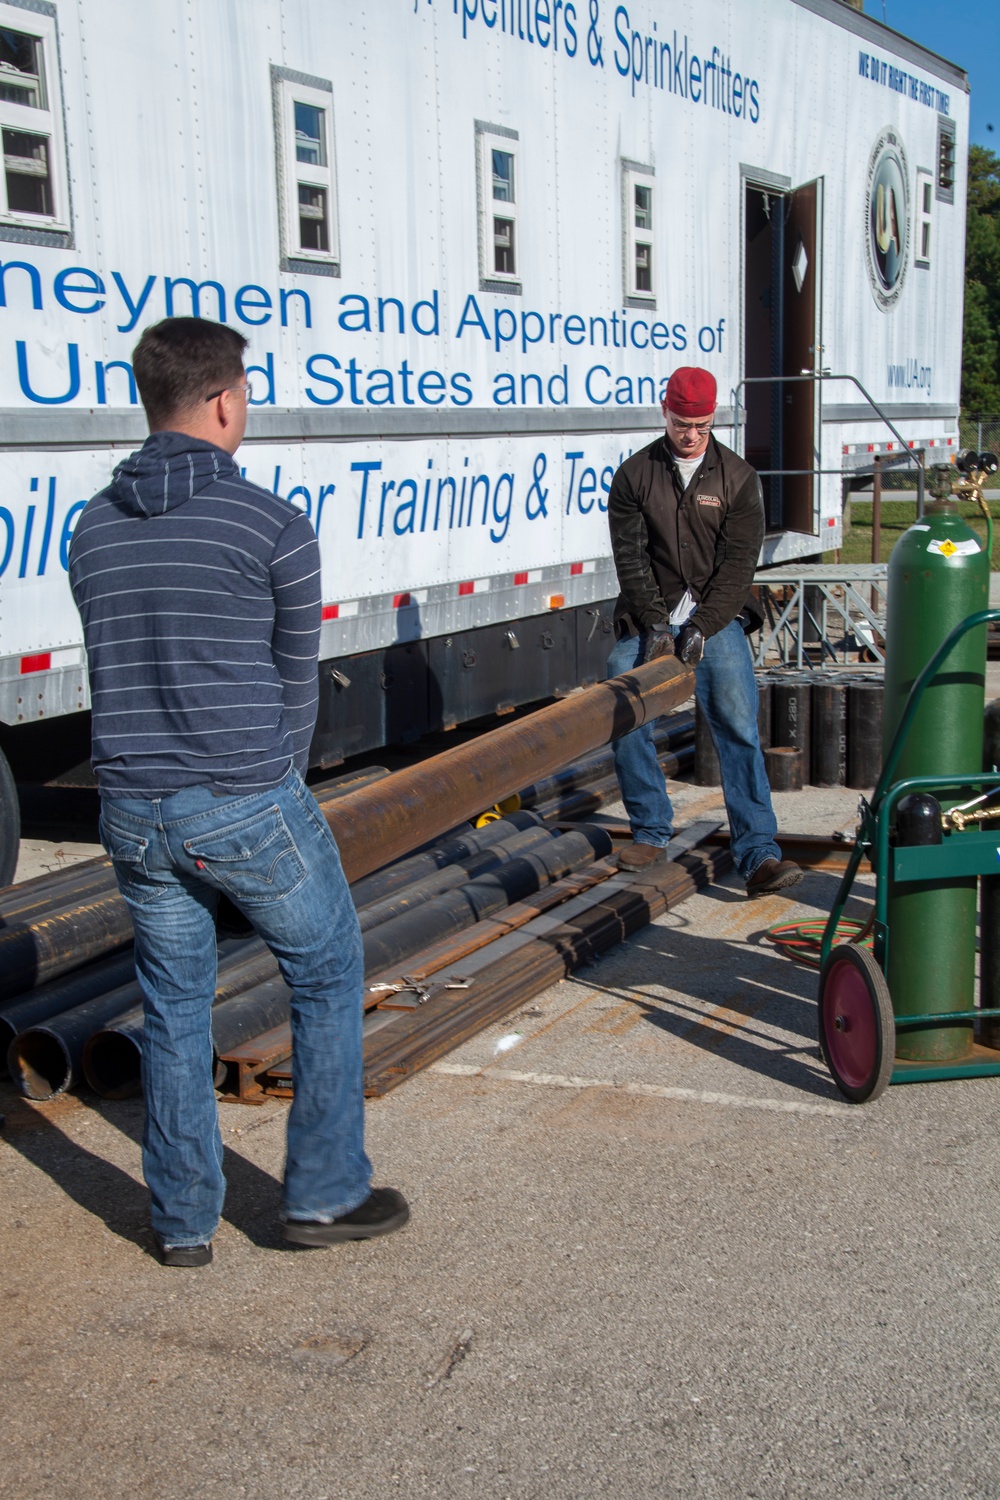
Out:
{"x": 666, "y": 538}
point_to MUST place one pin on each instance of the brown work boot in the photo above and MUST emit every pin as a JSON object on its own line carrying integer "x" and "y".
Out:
{"x": 641, "y": 856}
{"x": 773, "y": 875}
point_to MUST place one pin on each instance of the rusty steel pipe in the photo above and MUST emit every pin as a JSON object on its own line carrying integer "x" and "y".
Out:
{"x": 384, "y": 821}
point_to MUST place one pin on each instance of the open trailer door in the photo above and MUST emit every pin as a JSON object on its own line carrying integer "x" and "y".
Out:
{"x": 781, "y": 337}
{"x": 801, "y": 354}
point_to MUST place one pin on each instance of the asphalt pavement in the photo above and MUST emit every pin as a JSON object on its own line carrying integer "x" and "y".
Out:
{"x": 652, "y": 1252}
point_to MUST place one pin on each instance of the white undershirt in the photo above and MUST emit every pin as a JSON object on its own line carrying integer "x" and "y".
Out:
{"x": 686, "y": 467}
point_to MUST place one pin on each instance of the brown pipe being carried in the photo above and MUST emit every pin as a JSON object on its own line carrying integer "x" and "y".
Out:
{"x": 384, "y": 821}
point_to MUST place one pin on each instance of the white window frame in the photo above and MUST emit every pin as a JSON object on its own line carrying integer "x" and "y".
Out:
{"x": 946, "y": 147}
{"x": 923, "y": 217}
{"x": 291, "y": 89}
{"x": 633, "y": 176}
{"x": 490, "y": 138}
{"x": 47, "y": 121}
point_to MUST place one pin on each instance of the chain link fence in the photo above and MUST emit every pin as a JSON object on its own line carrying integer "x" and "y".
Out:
{"x": 980, "y": 432}
{"x": 976, "y": 430}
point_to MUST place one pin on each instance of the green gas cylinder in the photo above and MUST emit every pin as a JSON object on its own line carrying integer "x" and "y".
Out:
{"x": 939, "y": 574}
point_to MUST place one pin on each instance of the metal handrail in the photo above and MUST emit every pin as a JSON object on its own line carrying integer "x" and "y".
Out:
{"x": 821, "y": 375}
{"x": 852, "y": 607}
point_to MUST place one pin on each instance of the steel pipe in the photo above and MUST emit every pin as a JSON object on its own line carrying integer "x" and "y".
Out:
{"x": 111, "y": 1061}
{"x": 578, "y": 802}
{"x": 384, "y": 883}
{"x": 46, "y": 1059}
{"x": 385, "y": 821}
{"x": 421, "y": 891}
{"x": 33, "y": 952}
{"x": 111, "y": 1056}
{"x": 62, "y": 995}
{"x": 57, "y": 888}
{"x": 389, "y": 818}
{"x": 669, "y": 734}
{"x": 396, "y": 941}
{"x": 829, "y": 736}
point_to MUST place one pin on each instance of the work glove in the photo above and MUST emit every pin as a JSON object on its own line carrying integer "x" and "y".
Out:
{"x": 690, "y": 646}
{"x": 659, "y": 642}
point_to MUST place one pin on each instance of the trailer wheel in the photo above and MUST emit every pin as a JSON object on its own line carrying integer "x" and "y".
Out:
{"x": 857, "y": 1030}
{"x": 10, "y": 823}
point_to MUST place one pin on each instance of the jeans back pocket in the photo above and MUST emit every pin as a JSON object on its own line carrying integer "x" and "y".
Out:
{"x": 255, "y": 861}
{"x": 127, "y": 851}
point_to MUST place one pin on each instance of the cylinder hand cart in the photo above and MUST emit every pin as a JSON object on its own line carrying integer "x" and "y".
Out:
{"x": 902, "y": 1011}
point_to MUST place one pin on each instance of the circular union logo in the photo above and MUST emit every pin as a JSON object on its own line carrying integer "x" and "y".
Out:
{"x": 887, "y": 218}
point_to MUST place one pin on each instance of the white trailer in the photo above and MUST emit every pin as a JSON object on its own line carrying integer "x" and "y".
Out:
{"x": 468, "y": 241}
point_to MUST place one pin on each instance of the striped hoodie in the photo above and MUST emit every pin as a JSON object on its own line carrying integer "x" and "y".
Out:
{"x": 200, "y": 600}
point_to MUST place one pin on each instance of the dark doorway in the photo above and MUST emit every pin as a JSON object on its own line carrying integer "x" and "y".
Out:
{"x": 781, "y": 337}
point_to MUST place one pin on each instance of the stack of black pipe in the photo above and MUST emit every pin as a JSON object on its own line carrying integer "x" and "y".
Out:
{"x": 77, "y": 1013}
{"x": 583, "y": 787}
{"x": 473, "y": 876}
{"x": 824, "y": 728}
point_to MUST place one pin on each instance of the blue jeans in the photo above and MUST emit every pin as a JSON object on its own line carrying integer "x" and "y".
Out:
{"x": 726, "y": 691}
{"x": 273, "y": 854}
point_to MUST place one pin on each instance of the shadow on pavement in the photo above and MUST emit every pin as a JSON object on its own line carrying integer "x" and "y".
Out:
{"x": 715, "y": 981}
{"x": 113, "y": 1195}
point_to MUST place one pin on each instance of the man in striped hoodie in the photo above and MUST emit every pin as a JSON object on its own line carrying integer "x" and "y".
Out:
{"x": 200, "y": 599}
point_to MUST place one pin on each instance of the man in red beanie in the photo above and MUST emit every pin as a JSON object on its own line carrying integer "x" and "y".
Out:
{"x": 687, "y": 522}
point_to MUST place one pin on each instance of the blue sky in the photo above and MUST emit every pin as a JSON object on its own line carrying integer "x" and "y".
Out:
{"x": 967, "y": 32}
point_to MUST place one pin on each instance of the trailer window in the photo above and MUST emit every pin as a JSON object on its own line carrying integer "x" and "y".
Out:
{"x": 310, "y": 134}
{"x": 307, "y": 200}
{"x": 503, "y": 176}
{"x": 923, "y": 217}
{"x": 499, "y": 191}
{"x": 22, "y": 79}
{"x": 945, "y": 160}
{"x": 639, "y": 234}
{"x": 34, "y": 191}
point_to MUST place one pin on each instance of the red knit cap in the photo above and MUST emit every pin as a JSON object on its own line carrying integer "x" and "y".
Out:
{"x": 691, "y": 392}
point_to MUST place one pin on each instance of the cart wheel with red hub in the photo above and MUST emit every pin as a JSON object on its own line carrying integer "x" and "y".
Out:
{"x": 857, "y": 1031}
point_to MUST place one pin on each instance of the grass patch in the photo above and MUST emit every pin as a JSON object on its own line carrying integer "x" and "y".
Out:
{"x": 897, "y": 517}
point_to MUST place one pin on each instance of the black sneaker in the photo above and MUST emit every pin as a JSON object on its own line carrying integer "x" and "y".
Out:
{"x": 383, "y": 1210}
{"x": 182, "y": 1255}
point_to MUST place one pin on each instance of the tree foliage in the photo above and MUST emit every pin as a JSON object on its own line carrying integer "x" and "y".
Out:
{"x": 981, "y": 340}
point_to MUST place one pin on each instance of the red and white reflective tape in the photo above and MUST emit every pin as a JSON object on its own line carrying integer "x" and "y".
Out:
{"x": 899, "y": 447}
{"x": 467, "y": 587}
{"x": 51, "y": 661}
